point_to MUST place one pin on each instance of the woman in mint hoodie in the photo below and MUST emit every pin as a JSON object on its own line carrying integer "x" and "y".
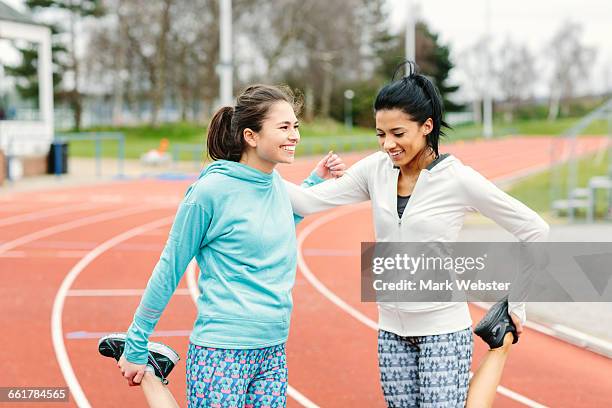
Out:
{"x": 238, "y": 223}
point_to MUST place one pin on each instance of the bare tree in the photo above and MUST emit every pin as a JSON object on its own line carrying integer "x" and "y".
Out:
{"x": 160, "y": 50}
{"x": 516, "y": 74}
{"x": 308, "y": 43}
{"x": 571, "y": 62}
{"x": 471, "y": 62}
{"x": 145, "y": 28}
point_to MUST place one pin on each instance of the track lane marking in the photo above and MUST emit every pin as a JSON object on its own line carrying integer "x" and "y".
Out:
{"x": 37, "y": 215}
{"x": 80, "y": 222}
{"x": 57, "y": 334}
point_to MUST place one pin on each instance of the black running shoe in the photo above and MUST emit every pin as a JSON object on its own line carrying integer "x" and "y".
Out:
{"x": 161, "y": 357}
{"x": 495, "y": 324}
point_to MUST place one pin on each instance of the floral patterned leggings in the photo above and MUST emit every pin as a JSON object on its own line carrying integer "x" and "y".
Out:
{"x": 223, "y": 378}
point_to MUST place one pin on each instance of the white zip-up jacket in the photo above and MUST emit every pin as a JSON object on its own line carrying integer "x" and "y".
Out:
{"x": 444, "y": 193}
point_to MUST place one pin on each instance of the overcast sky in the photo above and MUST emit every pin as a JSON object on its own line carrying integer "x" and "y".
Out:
{"x": 532, "y": 22}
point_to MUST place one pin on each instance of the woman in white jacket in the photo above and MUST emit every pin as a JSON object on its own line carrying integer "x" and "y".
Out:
{"x": 418, "y": 195}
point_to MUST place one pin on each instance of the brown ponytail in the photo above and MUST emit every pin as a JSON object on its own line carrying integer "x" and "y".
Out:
{"x": 225, "y": 139}
{"x": 220, "y": 142}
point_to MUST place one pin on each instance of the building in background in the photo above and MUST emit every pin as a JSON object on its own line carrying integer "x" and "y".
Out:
{"x": 25, "y": 134}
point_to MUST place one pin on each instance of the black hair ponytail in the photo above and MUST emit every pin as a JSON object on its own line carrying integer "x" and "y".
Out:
{"x": 417, "y": 96}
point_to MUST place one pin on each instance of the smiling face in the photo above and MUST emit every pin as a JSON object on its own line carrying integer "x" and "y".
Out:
{"x": 276, "y": 141}
{"x": 403, "y": 139}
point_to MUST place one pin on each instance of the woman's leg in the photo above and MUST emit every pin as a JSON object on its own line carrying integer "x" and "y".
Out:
{"x": 444, "y": 369}
{"x": 156, "y": 393}
{"x": 483, "y": 385}
{"x": 220, "y": 377}
{"x": 397, "y": 361}
{"x": 268, "y": 388}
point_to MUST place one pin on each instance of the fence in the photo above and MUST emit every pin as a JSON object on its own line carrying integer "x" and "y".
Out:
{"x": 564, "y": 192}
{"x": 98, "y": 138}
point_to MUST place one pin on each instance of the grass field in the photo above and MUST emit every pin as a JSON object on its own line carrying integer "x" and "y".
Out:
{"x": 317, "y": 136}
{"x": 529, "y": 127}
{"x": 535, "y": 191}
{"x": 140, "y": 139}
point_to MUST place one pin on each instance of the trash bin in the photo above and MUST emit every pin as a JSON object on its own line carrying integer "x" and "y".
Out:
{"x": 57, "y": 161}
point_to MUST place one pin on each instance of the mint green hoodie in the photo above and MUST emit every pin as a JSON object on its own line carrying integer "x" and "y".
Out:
{"x": 239, "y": 225}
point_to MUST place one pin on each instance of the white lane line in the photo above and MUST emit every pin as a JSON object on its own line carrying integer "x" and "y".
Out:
{"x": 37, "y": 215}
{"x": 317, "y": 284}
{"x": 312, "y": 279}
{"x": 58, "y": 306}
{"x": 115, "y": 292}
{"x": 519, "y": 398}
{"x": 68, "y": 226}
{"x": 43, "y": 254}
{"x": 87, "y": 246}
{"x": 83, "y": 335}
{"x": 14, "y": 254}
{"x": 192, "y": 285}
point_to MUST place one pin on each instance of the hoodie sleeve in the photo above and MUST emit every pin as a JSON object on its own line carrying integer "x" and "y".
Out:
{"x": 312, "y": 180}
{"x": 185, "y": 239}
{"x": 515, "y": 217}
{"x": 351, "y": 188}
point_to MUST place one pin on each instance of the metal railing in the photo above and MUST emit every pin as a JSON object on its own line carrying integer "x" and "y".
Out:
{"x": 98, "y": 138}
{"x": 577, "y": 197}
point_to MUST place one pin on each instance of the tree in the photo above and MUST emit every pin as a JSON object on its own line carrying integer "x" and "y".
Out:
{"x": 516, "y": 73}
{"x": 571, "y": 63}
{"x": 432, "y": 57}
{"x": 27, "y": 70}
{"x": 311, "y": 44}
{"x": 472, "y": 64}
{"x": 75, "y": 9}
{"x": 125, "y": 49}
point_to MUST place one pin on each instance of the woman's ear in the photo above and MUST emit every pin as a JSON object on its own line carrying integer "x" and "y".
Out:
{"x": 427, "y": 127}
{"x": 250, "y": 137}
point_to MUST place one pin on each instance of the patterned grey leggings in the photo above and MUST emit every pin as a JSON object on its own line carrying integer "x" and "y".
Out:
{"x": 426, "y": 371}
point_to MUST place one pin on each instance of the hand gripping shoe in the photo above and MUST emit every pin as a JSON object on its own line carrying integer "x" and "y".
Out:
{"x": 495, "y": 324}
{"x": 161, "y": 357}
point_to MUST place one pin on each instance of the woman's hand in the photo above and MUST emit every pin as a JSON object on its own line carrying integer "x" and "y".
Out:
{"x": 330, "y": 166}
{"x": 517, "y": 323}
{"x": 133, "y": 373}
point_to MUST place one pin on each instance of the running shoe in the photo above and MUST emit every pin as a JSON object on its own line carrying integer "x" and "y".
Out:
{"x": 161, "y": 358}
{"x": 495, "y": 324}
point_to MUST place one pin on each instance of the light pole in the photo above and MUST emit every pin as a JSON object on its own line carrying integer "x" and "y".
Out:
{"x": 410, "y": 48}
{"x": 225, "y": 67}
{"x": 348, "y": 109}
{"x": 487, "y": 108}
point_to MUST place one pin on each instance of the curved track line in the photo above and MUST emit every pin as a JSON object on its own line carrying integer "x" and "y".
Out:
{"x": 312, "y": 279}
{"x": 68, "y": 226}
{"x": 58, "y": 305}
{"x": 36, "y": 215}
{"x": 195, "y": 292}
{"x": 319, "y": 286}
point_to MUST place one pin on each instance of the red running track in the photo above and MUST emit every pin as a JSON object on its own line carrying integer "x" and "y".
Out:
{"x": 72, "y": 255}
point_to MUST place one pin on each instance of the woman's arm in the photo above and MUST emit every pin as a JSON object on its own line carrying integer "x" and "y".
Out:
{"x": 514, "y": 216}
{"x": 184, "y": 241}
{"x": 351, "y": 188}
{"x": 518, "y": 219}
